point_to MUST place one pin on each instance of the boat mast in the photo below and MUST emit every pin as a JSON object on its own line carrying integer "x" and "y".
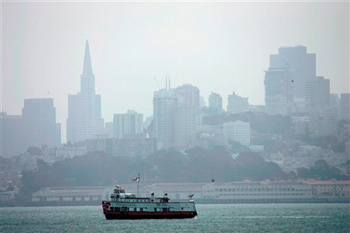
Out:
{"x": 138, "y": 184}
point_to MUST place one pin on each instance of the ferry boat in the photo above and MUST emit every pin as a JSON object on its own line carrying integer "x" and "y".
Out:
{"x": 128, "y": 206}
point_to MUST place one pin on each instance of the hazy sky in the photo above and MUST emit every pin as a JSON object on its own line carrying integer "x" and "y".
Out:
{"x": 220, "y": 47}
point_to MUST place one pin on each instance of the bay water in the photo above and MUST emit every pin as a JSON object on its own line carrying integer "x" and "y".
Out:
{"x": 211, "y": 218}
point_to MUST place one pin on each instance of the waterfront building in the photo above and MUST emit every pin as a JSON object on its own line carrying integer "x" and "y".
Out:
{"x": 237, "y": 131}
{"x": 74, "y": 195}
{"x": 237, "y": 104}
{"x": 129, "y": 123}
{"x": 215, "y": 192}
{"x": 263, "y": 191}
{"x": 329, "y": 189}
{"x": 84, "y": 109}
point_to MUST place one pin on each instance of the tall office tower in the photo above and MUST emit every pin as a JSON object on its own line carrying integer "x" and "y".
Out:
{"x": 215, "y": 102}
{"x": 345, "y": 106}
{"x": 237, "y": 131}
{"x": 322, "y": 92}
{"x": 317, "y": 95}
{"x": 186, "y": 115}
{"x": 236, "y": 104}
{"x": 39, "y": 121}
{"x": 12, "y": 135}
{"x": 127, "y": 124}
{"x": 84, "y": 109}
{"x": 302, "y": 63}
{"x": 334, "y": 103}
{"x": 163, "y": 112}
{"x": 278, "y": 90}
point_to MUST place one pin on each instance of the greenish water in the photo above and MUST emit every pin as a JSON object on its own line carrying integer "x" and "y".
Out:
{"x": 211, "y": 218}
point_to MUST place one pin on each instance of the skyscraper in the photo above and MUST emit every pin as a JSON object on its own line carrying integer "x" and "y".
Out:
{"x": 12, "y": 137}
{"x": 186, "y": 115}
{"x": 302, "y": 63}
{"x": 39, "y": 122}
{"x": 130, "y": 123}
{"x": 345, "y": 106}
{"x": 84, "y": 109}
{"x": 176, "y": 115}
{"x": 163, "y": 111}
{"x": 317, "y": 94}
{"x": 236, "y": 104}
{"x": 278, "y": 90}
{"x": 215, "y": 102}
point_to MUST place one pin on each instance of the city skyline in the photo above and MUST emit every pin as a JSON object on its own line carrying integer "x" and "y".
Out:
{"x": 128, "y": 72}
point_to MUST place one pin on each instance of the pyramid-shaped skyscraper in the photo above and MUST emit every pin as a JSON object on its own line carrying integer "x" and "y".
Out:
{"x": 84, "y": 109}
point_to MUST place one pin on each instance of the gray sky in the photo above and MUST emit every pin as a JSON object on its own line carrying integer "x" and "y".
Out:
{"x": 220, "y": 47}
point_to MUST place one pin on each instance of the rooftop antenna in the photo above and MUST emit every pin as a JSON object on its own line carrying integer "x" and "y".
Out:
{"x": 169, "y": 81}
{"x": 156, "y": 82}
{"x": 166, "y": 82}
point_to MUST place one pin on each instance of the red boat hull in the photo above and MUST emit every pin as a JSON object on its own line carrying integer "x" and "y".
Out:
{"x": 150, "y": 215}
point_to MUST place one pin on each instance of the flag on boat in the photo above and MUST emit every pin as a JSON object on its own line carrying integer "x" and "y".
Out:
{"x": 136, "y": 178}
{"x": 190, "y": 196}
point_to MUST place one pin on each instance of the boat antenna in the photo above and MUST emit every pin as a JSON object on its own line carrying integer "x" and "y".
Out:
{"x": 137, "y": 179}
{"x": 138, "y": 184}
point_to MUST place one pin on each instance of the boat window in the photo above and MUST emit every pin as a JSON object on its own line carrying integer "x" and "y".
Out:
{"x": 137, "y": 209}
{"x": 165, "y": 209}
{"x": 131, "y": 209}
{"x": 117, "y": 209}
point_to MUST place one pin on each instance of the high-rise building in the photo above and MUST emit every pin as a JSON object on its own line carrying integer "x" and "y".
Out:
{"x": 186, "y": 115}
{"x": 279, "y": 91}
{"x": 317, "y": 95}
{"x": 127, "y": 124}
{"x": 176, "y": 115}
{"x": 334, "y": 103}
{"x": 12, "y": 135}
{"x": 84, "y": 109}
{"x": 164, "y": 102}
{"x": 302, "y": 63}
{"x": 345, "y": 106}
{"x": 236, "y": 104}
{"x": 237, "y": 131}
{"x": 39, "y": 122}
{"x": 215, "y": 102}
